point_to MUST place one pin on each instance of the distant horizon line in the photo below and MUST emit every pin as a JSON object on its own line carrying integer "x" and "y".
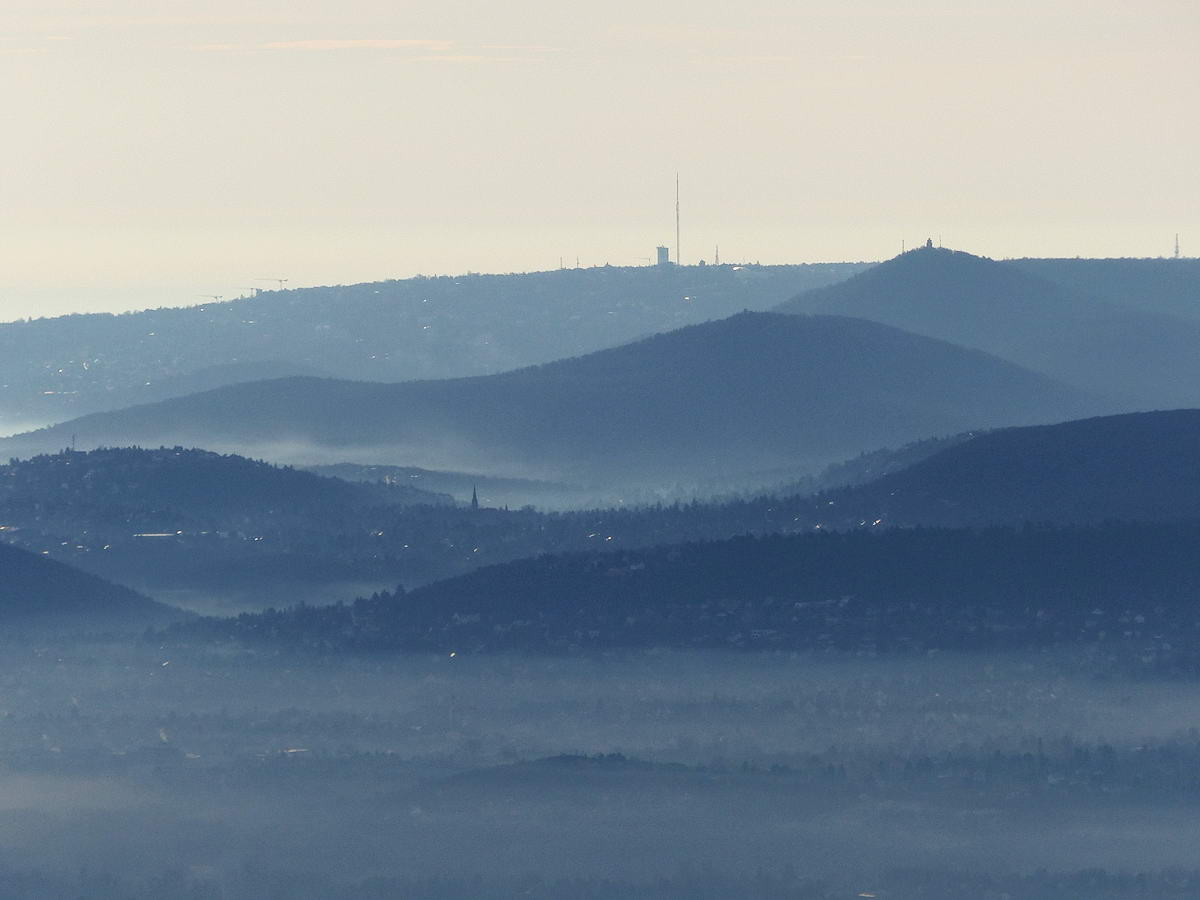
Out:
{"x": 469, "y": 273}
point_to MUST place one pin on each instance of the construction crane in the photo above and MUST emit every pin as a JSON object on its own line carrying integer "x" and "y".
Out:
{"x": 216, "y": 297}
{"x": 281, "y": 281}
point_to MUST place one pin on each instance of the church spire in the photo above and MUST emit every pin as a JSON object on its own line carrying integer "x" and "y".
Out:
{"x": 474, "y": 498}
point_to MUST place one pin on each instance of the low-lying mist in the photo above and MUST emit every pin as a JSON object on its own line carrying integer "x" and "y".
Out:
{"x": 229, "y": 765}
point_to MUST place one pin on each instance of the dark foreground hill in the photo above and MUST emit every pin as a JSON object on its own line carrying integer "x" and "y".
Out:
{"x": 55, "y": 369}
{"x": 1143, "y": 359}
{"x": 1133, "y": 467}
{"x": 36, "y": 592}
{"x": 1136, "y": 467}
{"x": 753, "y": 392}
{"x": 169, "y": 520}
{"x": 873, "y": 591}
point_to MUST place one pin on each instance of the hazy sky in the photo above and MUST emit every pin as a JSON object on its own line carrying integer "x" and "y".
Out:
{"x": 156, "y": 151}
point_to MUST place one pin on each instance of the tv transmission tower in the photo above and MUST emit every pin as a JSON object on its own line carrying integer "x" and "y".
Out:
{"x": 678, "y": 258}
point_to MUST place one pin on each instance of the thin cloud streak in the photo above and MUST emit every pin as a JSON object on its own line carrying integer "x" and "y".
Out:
{"x": 472, "y": 59}
{"x": 528, "y": 48}
{"x": 427, "y": 50}
{"x": 360, "y": 44}
{"x": 754, "y": 58}
{"x": 335, "y": 44}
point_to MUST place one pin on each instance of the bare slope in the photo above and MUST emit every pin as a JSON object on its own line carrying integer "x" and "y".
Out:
{"x": 751, "y": 392}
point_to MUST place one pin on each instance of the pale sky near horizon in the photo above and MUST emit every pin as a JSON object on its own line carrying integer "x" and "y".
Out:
{"x": 156, "y": 152}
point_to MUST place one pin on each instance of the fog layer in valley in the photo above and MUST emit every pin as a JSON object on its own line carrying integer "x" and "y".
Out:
{"x": 230, "y": 766}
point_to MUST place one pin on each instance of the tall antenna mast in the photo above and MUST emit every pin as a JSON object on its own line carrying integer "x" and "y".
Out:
{"x": 678, "y": 258}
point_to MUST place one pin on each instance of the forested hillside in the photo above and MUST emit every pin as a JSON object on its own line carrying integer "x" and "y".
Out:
{"x": 1135, "y": 467}
{"x": 1130, "y": 351}
{"x": 1170, "y": 286}
{"x": 326, "y": 541}
{"x": 442, "y": 327}
{"x": 171, "y": 519}
{"x": 756, "y": 391}
{"x": 194, "y": 485}
{"x": 36, "y": 592}
{"x": 900, "y": 590}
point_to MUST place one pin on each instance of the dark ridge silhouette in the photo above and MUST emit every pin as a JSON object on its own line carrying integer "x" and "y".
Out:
{"x": 199, "y": 528}
{"x": 1140, "y": 359}
{"x": 36, "y": 592}
{"x": 752, "y": 392}
{"x": 443, "y": 327}
{"x": 192, "y": 484}
{"x": 1133, "y": 467}
{"x": 892, "y": 590}
{"x": 868, "y": 466}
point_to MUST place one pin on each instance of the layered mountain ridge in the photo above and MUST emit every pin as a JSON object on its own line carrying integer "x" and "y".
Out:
{"x": 1141, "y": 359}
{"x": 752, "y": 392}
{"x": 423, "y": 327}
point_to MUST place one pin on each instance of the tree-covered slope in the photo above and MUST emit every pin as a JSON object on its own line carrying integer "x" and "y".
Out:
{"x": 1133, "y": 467}
{"x": 1170, "y": 286}
{"x": 37, "y": 591}
{"x": 444, "y": 327}
{"x": 1141, "y": 359}
{"x": 193, "y": 485}
{"x": 172, "y": 519}
{"x": 752, "y": 392}
{"x": 874, "y": 591}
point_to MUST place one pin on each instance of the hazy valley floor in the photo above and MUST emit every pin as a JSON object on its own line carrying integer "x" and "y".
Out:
{"x": 130, "y": 770}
